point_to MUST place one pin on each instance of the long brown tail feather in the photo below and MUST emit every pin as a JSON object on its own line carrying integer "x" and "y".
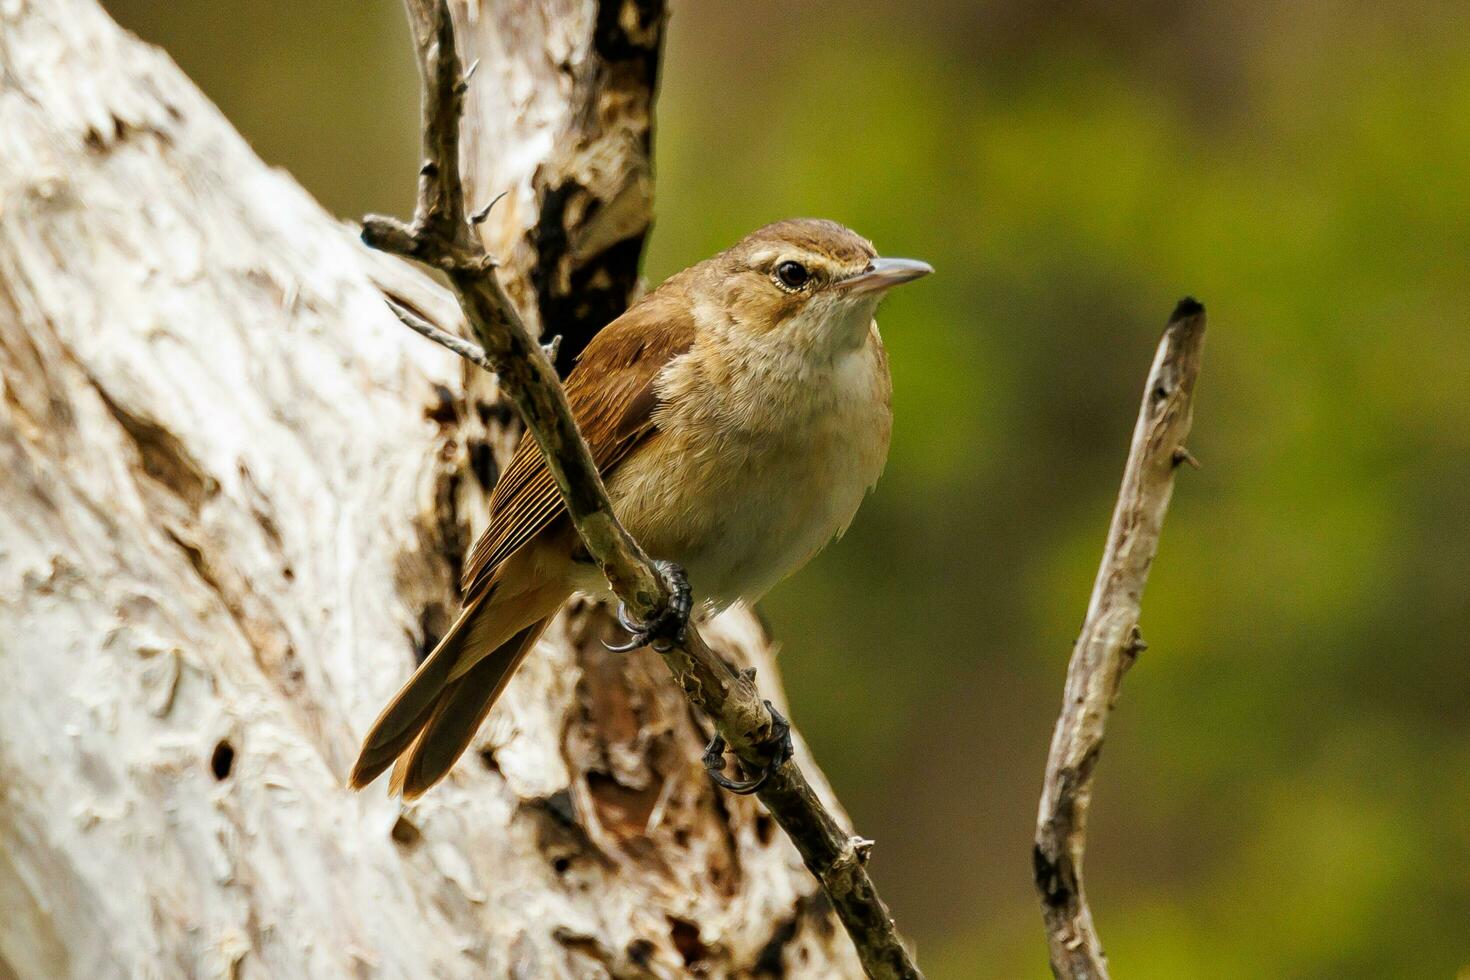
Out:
{"x": 400, "y": 766}
{"x": 409, "y": 711}
{"x": 458, "y": 715}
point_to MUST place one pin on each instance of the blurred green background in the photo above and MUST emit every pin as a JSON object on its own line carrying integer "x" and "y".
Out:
{"x": 1286, "y": 786}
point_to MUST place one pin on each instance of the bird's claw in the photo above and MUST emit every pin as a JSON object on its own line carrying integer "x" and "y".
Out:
{"x": 782, "y": 750}
{"x": 666, "y": 629}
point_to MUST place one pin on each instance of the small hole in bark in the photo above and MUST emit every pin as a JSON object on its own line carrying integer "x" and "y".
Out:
{"x": 640, "y": 953}
{"x": 482, "y": 463}
{"x": 443, "y": 408}
{"x": 288, "y": 573}
{"x": 685, "y": 935}
{"x": 405, "y": 833}
{"x": 561, "y": 865}
{"x": 488, "y": 760}
{"x": 681, "y": 837}
{"x": 764, "y": 828}
{"x": 560, "y": 805}
{"x": 223, "y": 759}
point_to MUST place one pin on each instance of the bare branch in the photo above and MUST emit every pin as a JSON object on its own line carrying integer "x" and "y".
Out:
{"x": 1110, "y": 642}
{"x": 449, "y": 341}
{"x": 440, "y": 238}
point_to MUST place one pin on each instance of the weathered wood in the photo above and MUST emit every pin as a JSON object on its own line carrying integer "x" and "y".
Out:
{"x": 234, "y": 492}
{"x": 567, "y": 138}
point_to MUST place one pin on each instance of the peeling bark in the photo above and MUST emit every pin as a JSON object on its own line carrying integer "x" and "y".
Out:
{"x": 234, "y": 493}
{"x": 571, "y": 229}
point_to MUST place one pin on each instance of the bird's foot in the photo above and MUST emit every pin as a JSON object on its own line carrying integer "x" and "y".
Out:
{"x": 781, "y": 751}
{"x": 666, "y": 630}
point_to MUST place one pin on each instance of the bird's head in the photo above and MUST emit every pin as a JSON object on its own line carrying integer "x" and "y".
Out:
{"x": 810, "y": 282}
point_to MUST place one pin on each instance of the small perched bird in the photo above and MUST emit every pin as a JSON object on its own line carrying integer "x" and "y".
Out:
{"x": 738, "y": 414}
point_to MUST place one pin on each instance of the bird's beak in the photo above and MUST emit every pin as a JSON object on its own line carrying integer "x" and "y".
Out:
{"x": 884, "y": 274}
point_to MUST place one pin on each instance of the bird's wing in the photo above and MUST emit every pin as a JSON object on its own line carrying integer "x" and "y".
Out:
{"x": 612, "y": 399}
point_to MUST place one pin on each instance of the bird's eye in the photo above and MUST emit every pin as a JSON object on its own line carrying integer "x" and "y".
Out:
{"x": 792, "y": 275}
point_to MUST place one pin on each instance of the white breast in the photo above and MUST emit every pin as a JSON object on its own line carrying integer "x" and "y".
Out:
{"x": 758, "y": 470}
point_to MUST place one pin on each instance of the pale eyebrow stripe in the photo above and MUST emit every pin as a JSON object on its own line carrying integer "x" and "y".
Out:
{"x": 812, "y": 260}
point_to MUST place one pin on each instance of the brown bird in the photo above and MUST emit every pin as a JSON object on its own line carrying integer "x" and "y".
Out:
{"x": 738, "y": 414}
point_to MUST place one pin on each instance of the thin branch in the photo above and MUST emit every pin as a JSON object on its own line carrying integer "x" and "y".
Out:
{"x": 465, "y": 349}
{"x": 1110, "y": 642}
{"x": 441, "y": 237}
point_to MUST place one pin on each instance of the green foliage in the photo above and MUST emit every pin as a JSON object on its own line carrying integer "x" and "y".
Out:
{"x": 1284, "y": 791}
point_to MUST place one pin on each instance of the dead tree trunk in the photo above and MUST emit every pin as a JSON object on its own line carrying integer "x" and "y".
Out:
{"x": 234, "y": 493}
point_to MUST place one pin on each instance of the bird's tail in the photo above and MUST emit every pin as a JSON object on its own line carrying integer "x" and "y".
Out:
{"x": 430, "y": 722}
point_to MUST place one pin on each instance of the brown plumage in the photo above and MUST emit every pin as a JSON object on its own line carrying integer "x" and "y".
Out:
{"x": 737, "y": 421}
{"x": 612, "y": 399}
